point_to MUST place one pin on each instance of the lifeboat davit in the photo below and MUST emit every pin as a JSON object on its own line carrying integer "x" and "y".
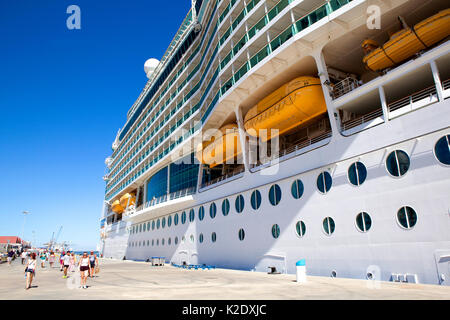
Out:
{"x": 407, "y": 42}
{"x": 293, "y": 104}
{"x": 124, "y": 200}
{"x": 116, "y": 207}
{"x": 222, "y": 148}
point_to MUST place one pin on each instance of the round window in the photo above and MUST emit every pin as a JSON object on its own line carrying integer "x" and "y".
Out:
{"x": 300, "y": 228}
{"x": 169, "y": 221}
{"x": 163, "y": 222}
{"x": 175, "y": 219}
{"x": 158, "y": 223}
{"x": 407, "y": 217}
{"x": 213, "y": 237}
{"x": 241, "y": 234}
{"x": 275, "y": 194}
{"x": 225, "y": 207}
{"x": 239, "y": 203}
{"x": 191, "y": 215}
{"x": 255, "y": 199}
{"x": 201, "y": 213}
{"x": 442, "y": 150}
{"x": 153, "y": 225}
{"x": 297, "y": 189}
{"x": 363, "y": 221}
{"x": 397, "y": 163}
{"x": 357, "y": 173}
{"x": 200, "y": 238}
{"x": 212, "y": 210}
{"x": 324, "y": 182}
{"x": 183, "y": 217}
{"x": 275, "y": 231}
{"x": 176, "y": 240}
{"x": 328, "y": 225}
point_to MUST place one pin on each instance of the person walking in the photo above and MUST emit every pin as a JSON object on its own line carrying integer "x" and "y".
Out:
{"x": 93, "y": 261}
{"x": 10, "y": 257}
{"x": 51, "y": 259}
{"x": 61, "y": 262}
{"x": 42, "y": 257}
{"x": 73, "y": 261}
{"x": 66, "y": 263}
{"x": 30, "y": 270}
{"x": 84, "y": 269}
{"x": 24, "y": 256}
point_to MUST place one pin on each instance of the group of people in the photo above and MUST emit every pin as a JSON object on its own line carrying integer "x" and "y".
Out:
{"x": 88, "y": 264}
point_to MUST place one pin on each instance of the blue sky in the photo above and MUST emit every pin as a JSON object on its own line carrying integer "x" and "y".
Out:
{"x": 63, "y": 96}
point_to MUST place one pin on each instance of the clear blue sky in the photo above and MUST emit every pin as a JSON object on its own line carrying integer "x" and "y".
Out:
{"x": 63, "y": 96}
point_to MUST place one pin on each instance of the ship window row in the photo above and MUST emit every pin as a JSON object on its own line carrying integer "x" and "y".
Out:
{"x": 406, "y": 218}
{"x": 298, "y": 26}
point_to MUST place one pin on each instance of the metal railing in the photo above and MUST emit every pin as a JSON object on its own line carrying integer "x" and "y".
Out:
{"x": 446, "y": 84}
{"x": 345, "y": 86}
{"x": 166, "y": 197}
{"x": 297, "y": 146}
{"x": 224, "y": 177}
{"x": 361, "y": 119}
{"x": 413, "y": 98}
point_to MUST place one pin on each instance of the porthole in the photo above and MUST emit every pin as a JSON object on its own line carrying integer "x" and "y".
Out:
{"x": 328, "y": 225}
{"x": 324, "y": 182}
{"x": 191, "y": 215}
{"x": 153, "y": 225}
{"x": 255, "y": 199}
{"x": 157, "y": 242}
{"x": 275, "y": 194}
{"x": 176, "y": 240}
{"x": 357, "y": 173}
{"x": 158, "y": 224}
{"x": 225, "y": 207}
{"x": 201, "y": 213}
{"x": 145, "y": 225}
{"x": 169, "y": 241}
{"x": 212, "y": 210}
{"x": 153, "y": 242}
{"x": 297, "y": 189}
{"x": 162, "y": 241}
{"x": 140, "y": 228}
{"x": 333, "y": 274}
{"x": 442, "y": 150}
{"x": 363, "y": 221}
{"x": 169, "y": 221}
{"x": 241, "y": 234}
{"x": 163, "y": 222}
{"x": 183, "y": 239}
{"x": 275, "y": 231}
{"x": 300, "y": 228}
{"x": 148, "y": 226}
{"x": 239, "y": 203}
{"x": 175, "y": 219}
{"x": 192, "y": 238}
{"x": 133, "y": 230}
{"x": 200, "y": 238}
{"x": 183, "y": 217}
{"x": 213, "y": 237}
{"x": 397, "y": 163}
{"x": 407, "y": 217}
{"x": 148, "y": 243}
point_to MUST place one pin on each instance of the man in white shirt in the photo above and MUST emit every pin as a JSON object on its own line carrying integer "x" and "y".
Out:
{"x": 24, "y": 256}
{"x": 66, "y": 263}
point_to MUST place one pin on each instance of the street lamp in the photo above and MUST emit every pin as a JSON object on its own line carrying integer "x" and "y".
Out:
{"x": 25, "y": 213}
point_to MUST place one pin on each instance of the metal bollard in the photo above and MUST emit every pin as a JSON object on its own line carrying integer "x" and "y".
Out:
{"x": 301, "y": 271}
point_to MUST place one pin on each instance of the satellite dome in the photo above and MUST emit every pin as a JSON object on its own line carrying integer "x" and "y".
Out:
{"x": 150, "y": 66}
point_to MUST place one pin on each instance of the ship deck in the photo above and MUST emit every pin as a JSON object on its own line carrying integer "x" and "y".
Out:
{"x": 139, "y": 280}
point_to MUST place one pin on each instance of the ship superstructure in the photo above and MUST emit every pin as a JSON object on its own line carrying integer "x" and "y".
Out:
{"x": 274, "y": 131}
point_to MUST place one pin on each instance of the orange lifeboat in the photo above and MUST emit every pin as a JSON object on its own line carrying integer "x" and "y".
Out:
{"x": 222, "y": 148}
{"x": 124, "y": 200}
{"x": 293, "y": 104}
{"x": 116, "y": 207}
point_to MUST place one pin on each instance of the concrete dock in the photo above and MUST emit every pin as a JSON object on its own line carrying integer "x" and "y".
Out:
{"x": 139, "y": 280}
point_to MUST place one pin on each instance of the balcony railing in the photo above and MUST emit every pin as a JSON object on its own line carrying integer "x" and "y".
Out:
{"x": 446, "y": 84}
{"x": 427, "y": 93}
{"x": 166, "y": 197}
{"x": 345, "y": 86}
{"x": 224, "y": 177}
{"x": 362, "y": 119}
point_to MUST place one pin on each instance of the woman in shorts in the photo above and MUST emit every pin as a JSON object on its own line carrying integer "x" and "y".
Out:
{"x": 51, "y": 259}
{"x": 93, "y": 261}
{"x": 30, "y": 270}
{"x": 84, "y": 269}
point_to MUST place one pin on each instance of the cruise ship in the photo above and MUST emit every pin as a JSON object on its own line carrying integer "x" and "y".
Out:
{"x": 274, "y": 131}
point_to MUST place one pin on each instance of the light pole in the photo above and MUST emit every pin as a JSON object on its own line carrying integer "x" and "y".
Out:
{"x": 25, "y": 213}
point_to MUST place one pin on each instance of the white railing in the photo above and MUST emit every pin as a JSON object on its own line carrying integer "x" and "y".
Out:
{"x": 167, "y": 197}
{"x": 224, "y": 177}
{"x": 361, "y": 119}
{"x": 345, "y": 86}
{"x": 415, "y": 97}
{"x": 446, "y": 84}
{"x": 298, "y": 146}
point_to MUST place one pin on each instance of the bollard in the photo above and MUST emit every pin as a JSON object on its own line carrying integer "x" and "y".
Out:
{"x": 301, "y": 271}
